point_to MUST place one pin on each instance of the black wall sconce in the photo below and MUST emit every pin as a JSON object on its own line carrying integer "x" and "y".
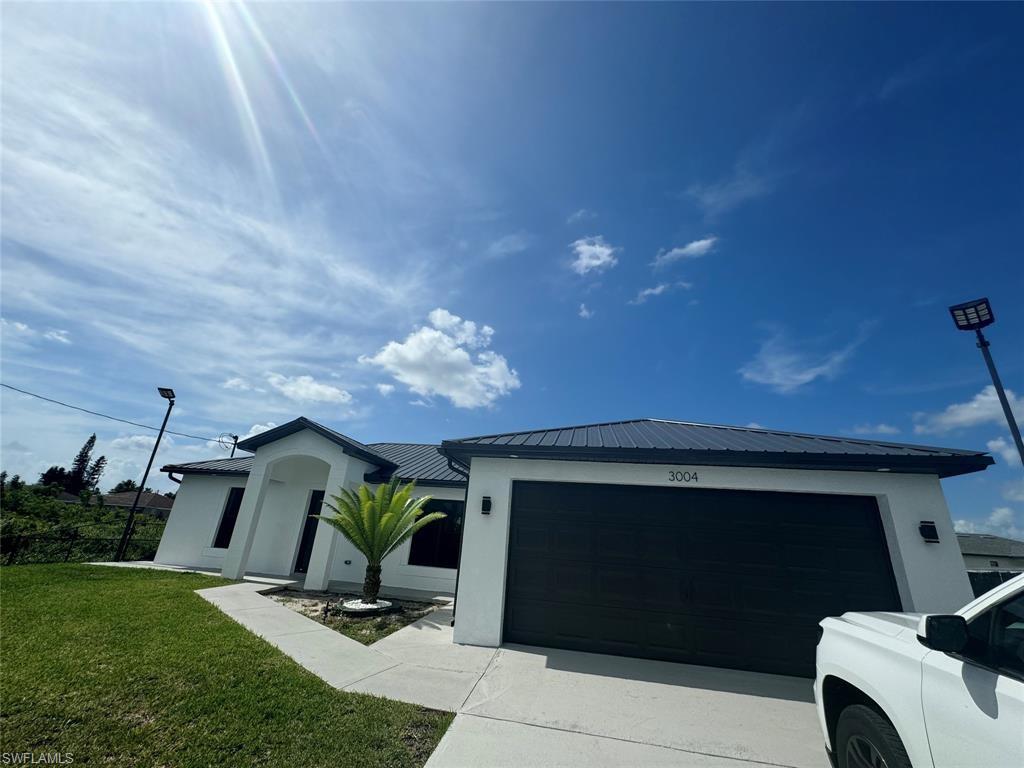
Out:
{"x": 928, "y": 531}
{"x": 485, "y": 506}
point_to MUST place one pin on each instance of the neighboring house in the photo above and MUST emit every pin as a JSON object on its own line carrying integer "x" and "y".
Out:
{"x": 155, "y": 504}
{"x": 985, "y": 552}
{"x": 686, "y": 542}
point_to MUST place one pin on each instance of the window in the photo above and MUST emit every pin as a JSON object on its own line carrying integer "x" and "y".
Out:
{"x": 996, "y": 638}
{"x": 227, "y": 520}
{"x": 437, "y": 544}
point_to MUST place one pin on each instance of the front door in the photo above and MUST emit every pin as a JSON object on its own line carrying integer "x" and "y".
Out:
{"x": 316, "y": 501}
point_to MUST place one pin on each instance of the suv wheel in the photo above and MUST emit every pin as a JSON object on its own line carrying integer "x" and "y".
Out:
{"x": 865, "y": 739}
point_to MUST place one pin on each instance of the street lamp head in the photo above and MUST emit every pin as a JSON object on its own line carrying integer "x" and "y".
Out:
{"x": 166, "y": 392}
{"x": 972, "y": 315}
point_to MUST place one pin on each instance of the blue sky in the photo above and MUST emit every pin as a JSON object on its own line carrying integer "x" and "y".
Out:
{"x": 413, "y": 222}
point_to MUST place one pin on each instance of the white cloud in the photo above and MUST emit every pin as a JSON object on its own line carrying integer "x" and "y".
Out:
{"x": 754, "y": 425}
{"x": 436, "y": 360}
{"x": 657, "y": 290}
{"x": 983, "y": 408}
{"x": 237, "y": 383}
{"x": 57, "y": 335}
{"x": 876, "y": 429}
{"x": 728, "y": 193}
{"x": 580, "y": 215}
{"x": 1014, "y": 491}
{"x": 786, "y": 367}
{"x": 508, "y": 245}
{"x": 463, "y": 331}
{"x": 585, "y": 313}
{"x": 593, "y": 254}
{"x": 137, "y": 442}
{"x": 691, "y": 250}
{"x": 1005, "y": 449}
{"x": 257, "y": 429}
{"x": 25, "y": 332}
{"x": 306, "y": 389}
{"x": 385, "y": 389}
{"x": 1003, "y": 521}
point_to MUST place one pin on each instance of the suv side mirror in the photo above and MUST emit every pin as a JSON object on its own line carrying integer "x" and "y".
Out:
{"x": 943, "y": 633}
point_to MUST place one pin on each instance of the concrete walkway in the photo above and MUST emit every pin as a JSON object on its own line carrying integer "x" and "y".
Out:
{"x": 418, "y": 664}
{"x": 521, "y": 706}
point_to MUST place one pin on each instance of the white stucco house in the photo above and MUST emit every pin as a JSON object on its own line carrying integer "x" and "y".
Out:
{"x": 661, "y": 539}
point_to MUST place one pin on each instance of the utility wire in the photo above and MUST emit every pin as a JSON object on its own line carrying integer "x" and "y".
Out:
{"x": 104, "y": 415}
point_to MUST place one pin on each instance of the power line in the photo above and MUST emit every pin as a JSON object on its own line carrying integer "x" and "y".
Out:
{"x": 104, "y": 415}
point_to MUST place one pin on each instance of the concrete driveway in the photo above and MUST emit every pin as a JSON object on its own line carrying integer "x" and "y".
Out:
{"x": 547, "y": 707}
{"x": 523, "y": 707}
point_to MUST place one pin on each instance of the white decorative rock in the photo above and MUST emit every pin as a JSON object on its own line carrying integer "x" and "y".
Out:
{"x": 358, "y": 606}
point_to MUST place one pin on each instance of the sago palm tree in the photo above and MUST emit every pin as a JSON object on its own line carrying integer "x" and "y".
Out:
{"x": 377, "y": 523}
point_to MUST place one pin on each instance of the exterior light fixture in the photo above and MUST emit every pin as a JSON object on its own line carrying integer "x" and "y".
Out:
{"x": 928, "y": 531}
{"x": 485, "y": 506}
{"x": 973, "y": 316}
{"x": 168, "y": 394}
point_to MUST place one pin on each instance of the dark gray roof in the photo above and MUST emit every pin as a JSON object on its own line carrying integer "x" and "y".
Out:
{"x": 237, "y": 466}
{"x": 348, "y": 445}
{"x": 987, "y": 544}
{"x": 660, "y": 441}
{"x": 414, "y": 461}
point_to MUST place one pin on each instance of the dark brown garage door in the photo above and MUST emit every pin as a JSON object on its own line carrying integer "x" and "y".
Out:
{"x": 723, "y": 578}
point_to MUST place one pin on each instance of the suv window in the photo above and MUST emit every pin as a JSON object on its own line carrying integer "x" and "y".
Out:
{"x": 996, "y": 637}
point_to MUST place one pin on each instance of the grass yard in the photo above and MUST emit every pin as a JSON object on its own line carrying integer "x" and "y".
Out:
{"x": 130, "y": 667}
{"x": 364, "y": 629}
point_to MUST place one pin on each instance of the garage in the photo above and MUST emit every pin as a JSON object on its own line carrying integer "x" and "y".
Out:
{"x": 721, "y": 578}
{"x": 697, "y": 543}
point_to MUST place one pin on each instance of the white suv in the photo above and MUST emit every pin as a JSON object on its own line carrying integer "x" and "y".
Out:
{"x": 904, "y": 690}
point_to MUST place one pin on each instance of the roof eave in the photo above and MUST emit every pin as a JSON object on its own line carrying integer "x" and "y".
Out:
{"x": 297, "y": 425}
{"x": 943, "y": 466}
{"x": 193, "y": 471}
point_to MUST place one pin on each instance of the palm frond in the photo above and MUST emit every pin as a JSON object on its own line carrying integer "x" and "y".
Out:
{"x": 378, "y": 522}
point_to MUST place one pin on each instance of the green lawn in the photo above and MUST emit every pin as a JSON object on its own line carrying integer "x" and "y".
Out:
{"x": 130, "y": 667}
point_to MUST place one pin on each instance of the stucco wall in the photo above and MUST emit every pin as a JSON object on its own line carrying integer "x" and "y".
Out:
{"x": 930, "y": 577}
{"x": 396, "y": 571}
{"x": 193, "y": 521}
{"x": 292, "y": 468}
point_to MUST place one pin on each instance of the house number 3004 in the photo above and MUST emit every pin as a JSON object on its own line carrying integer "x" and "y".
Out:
{"x": 682, "y": 477}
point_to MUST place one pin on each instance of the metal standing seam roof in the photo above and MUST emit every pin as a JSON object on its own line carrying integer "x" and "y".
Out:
{"x": 415, "y": 461}
{"x": 665, "y": 441}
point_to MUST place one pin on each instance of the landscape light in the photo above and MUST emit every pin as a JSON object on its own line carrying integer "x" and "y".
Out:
{"x": 972, "y": 315}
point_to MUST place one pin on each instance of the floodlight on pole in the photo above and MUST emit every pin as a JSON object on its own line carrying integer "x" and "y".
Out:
{"x": 168, "y": 394}
{"x": 973, "y": 316}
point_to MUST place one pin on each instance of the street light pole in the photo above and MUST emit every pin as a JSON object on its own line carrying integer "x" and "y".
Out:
{"x": 973, "y": 316}
{"x": 983, "y": 345}
{"x": 126, "y": 535}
